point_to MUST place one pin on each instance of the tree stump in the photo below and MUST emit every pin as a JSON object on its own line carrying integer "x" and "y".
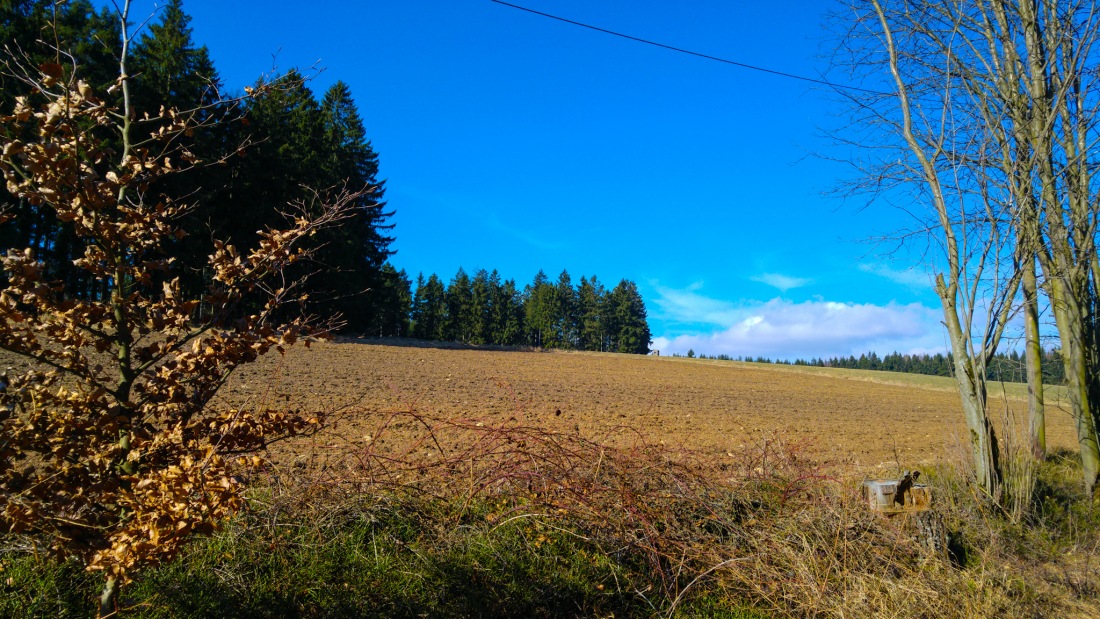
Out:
{"x": 908, "y": 505}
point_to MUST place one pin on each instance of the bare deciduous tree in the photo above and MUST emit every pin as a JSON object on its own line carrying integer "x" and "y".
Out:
{"x": 1002, "y": 96}
{"x": 922, "y": 135}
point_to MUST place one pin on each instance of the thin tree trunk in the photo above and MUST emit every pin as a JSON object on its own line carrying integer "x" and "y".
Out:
{"x": 108, "y": 599}
{"x": 972, "y": 393}
{"x": 969, "y": 365}
{"x": 1033, "y": 355}
{"x": 1072, "y": 331}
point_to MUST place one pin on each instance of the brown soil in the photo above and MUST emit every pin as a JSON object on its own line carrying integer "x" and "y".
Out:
{"x": 706, "y": 405}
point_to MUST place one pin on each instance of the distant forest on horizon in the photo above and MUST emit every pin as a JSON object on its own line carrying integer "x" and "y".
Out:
{"x": 487, "y": 310}
{"x": 1005, "y": 367}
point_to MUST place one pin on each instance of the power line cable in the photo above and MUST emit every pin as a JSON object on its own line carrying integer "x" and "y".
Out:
{"x": 689, "y": 52}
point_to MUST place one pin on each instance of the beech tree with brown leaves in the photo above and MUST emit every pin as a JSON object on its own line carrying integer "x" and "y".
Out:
{"x": 110, "y": 451}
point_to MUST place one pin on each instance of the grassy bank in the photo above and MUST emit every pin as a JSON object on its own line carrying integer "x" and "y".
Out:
{"x": 539, "y": 524}
{"x": 377, "y": 558}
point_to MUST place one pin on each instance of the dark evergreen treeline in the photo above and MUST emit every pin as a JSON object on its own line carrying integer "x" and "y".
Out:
{"x": 257, "y": 155}
{"x": 1006, "y": 367}
{"x": 485, "y": 309}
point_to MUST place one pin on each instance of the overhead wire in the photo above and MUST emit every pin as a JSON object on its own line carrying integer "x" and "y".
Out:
{"x": 689, "y": 52}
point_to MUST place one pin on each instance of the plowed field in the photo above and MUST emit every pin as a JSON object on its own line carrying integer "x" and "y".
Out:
{"x": 862, "y": 420}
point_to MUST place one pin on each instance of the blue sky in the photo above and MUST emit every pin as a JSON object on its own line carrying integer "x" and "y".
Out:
{"x": 516, "y": 142}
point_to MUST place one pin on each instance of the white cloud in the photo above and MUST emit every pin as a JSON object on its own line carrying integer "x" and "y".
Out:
{"x": 913, "y": 278}
{"x": 787, "y": 330}
{"x": 691, "y": 307}
{"x": 782, "y": 282}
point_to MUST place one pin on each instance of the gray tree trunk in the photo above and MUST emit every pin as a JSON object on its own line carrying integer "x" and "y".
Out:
{"x": 1075, "y": 356}
{"x": 970, "y": 377}
{"x": 1033, "y": 356}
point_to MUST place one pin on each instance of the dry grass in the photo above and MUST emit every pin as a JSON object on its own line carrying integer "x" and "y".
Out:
{"x": 762, "y": 525}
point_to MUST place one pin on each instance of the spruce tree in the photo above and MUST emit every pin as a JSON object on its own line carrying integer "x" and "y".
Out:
{"x": 460, "y": 322}
{"x": 627, "y": 314}
{"x": 287, "y": 154}
{"x": 356, "y": 251}
{"x": 293, "y": 145}
{"x": 394, "y": 302}
{"x": 590, "y": 300}
{"x": 565, "y": 321}
{"x": 481, "y": 309}
{"x": 541, "y": 305}
{"x": 171, "y": 72}
{"x": 352, "y": 159}
{"x": 286, "y": 161}
{"x": 168, "y": 69}
{"x": 430, "y": 308}
{"x": 498, "y": 309}
{"x": 416, "y": 307}
{"x": 512, "y": 321}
